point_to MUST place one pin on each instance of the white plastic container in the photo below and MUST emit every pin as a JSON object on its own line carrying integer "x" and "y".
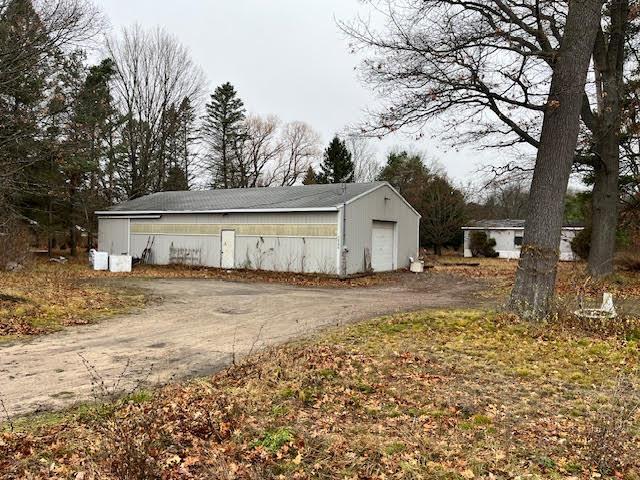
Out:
{"x": 417, "y": 266}
{"x": 120, "y": 263}
{"x": 101, "y": 260}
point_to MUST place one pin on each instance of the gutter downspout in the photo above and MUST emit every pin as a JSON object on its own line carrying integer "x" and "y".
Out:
{"x": 344, "y": 250}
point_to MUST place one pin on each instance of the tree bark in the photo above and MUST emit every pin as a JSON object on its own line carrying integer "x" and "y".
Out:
{"x": 533, "y": 292}
{"x": 604, "y": 216}
{"x": 609, "y": 57}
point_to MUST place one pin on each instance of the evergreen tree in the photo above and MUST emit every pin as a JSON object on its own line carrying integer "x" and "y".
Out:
{"x": 441, "y": 205}
{"x": 179, "y": 138}
{"x": 337, "y": 166}
{"x": 186, "y": 138}
{"x": 310, "y": 177}
{"x": 407, "y": 173}
{"x": 223, "y": 130}
{"x": 88, "y": 134}
{"x": 176, "y": 180}
{"x": 23, "y": 79}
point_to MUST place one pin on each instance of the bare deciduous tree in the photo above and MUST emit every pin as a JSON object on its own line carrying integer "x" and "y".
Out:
{"x": 365, "y": 165}
{"x": 261, "y": 147}
{"x": 300, "y": 147}
{"x": 491, "y": 63}
{"x": 155, "y": 73}
{"x": 534, "y": 287}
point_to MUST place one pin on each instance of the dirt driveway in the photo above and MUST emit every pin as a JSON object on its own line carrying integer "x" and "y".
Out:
{"x": 198, "y": 328}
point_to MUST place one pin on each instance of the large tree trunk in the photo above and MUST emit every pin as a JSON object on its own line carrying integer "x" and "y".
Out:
{"x": 533, "y": 291}
{"x": 608, "y": 57}
{"x": 604, "y": 217}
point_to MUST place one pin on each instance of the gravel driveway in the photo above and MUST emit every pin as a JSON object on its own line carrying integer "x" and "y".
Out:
{"x": 197, "y": 328}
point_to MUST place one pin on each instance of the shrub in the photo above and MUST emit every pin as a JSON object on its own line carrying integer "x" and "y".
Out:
{"x": 581, "y": 243}
{"x": 481, "y": 245}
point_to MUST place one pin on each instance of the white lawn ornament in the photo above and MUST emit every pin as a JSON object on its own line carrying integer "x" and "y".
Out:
{"x": 607, "y": 305}
{"x": 606, "y": 311}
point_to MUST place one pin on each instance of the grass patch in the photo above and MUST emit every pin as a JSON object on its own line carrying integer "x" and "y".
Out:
{"x": 274, "y": 440}
{"x": 435, "y": 394}
{"x": 46, "y": 297}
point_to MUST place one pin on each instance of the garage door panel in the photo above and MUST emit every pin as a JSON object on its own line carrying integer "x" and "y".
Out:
{"x": 382, "y": 246}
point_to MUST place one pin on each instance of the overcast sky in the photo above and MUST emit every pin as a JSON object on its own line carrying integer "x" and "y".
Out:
{"x": 285, "y": 57}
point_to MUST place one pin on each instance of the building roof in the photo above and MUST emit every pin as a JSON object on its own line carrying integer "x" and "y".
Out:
{"x": 295, "y": 198}
{"x": 508, "y": 224}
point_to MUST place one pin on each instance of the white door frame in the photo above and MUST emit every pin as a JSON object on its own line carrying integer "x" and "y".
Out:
{"x": 233, "y": 261}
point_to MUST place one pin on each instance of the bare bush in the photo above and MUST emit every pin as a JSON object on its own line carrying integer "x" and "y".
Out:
{"x": 612, "y": 429}
{"x": 131, "y": 434}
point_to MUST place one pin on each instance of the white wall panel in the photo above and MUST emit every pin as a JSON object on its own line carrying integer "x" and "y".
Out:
{"x": 113, "y": 235}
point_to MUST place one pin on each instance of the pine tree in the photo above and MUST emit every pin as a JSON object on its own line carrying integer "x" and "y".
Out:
{"x": 310, "y": 177}
{"x": 337, "y": 166}
{"x": 22, "y": 99}
{"x": 27, "y": 159}
{"x": 187, "y": 137}
{"x": 87, "y": 134}
{"x": 176, "y": 180}
{"x": 223, "y": 131}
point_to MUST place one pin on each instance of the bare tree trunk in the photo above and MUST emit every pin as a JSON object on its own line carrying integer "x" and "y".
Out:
{"x": 604, "y": 217}
{"x": 73, "y": 239}
{"x": 533, "y": 291}
{"x": 609, "y": 57}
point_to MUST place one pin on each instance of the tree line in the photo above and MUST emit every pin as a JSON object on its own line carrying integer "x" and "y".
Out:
{"x": 76, "y": 137}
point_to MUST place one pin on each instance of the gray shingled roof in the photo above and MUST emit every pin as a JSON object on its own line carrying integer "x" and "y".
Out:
{"x": 281, "y": 198}
{"x": 507, "y": 223}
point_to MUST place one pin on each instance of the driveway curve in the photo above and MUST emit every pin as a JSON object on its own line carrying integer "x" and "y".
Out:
{"x": 197, "y": 328}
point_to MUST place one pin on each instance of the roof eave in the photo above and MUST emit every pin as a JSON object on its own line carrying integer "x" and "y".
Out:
{"x": 512, "y": 228}
{"x": 233, "y": 210}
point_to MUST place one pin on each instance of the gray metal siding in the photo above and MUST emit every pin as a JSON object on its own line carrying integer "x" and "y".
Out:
{"x": 280, "y": 253}
{"x": 113, "y": 235}
{"x": 382, "y": 204}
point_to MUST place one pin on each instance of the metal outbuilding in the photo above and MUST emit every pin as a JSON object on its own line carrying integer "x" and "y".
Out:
{"x": 334, "y": 229}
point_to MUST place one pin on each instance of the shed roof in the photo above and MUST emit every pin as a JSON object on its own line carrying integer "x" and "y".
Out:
{"x": 294, "y": 198}
{"x": 508, "y": 224}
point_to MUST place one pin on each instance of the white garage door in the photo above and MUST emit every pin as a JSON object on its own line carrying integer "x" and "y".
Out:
{"x": 382, "y": 246}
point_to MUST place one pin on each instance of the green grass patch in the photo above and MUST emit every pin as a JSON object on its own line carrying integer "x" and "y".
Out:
{"x": 274, "y": 440}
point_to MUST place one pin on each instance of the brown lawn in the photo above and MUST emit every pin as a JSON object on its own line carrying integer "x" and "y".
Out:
{"x": 429, "y": 395}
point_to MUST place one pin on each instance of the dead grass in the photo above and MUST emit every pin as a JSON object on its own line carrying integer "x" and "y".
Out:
{"x": 241, "y": 275}
{"x": 46, "y": 297}
{"x": 573, "y": 285}
{"x": 429, "y": 395}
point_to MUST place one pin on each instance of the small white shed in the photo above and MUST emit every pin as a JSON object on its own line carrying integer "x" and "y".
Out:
{"x": 334, "y": 229}
{"x": 508, "y": 235}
